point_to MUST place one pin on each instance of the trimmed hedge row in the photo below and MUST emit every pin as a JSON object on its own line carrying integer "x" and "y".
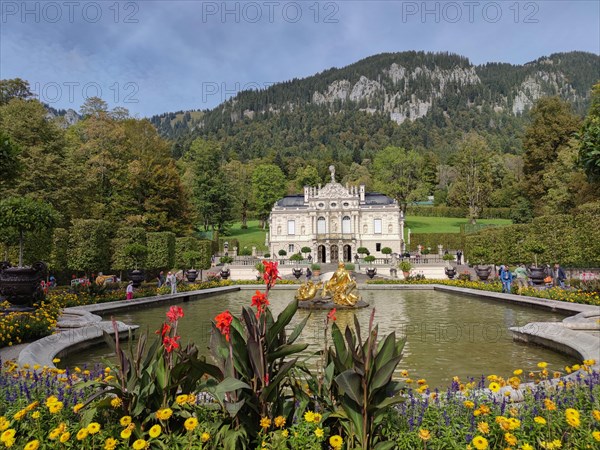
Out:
{"x": 572, "y": 240}
{"x": 450, "y": 241}
{"x": 454, "y": 211}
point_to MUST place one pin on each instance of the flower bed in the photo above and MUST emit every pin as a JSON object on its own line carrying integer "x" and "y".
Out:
{"x": 19, "y": 327}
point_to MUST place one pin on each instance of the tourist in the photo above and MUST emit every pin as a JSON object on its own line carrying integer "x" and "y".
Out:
{"x": 458, "y": 257}
{"x": 172, "y": 282}
{"x": 129, "y": 291}
{"x": 161, "y": 278}
{"x": 521, "y": 277}
{"x": 558, "y": 276}
{"x": 506, "y": 278}
{"x": 308, "y": 274}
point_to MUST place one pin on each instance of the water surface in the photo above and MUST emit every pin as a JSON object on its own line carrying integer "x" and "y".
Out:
{"x": 446, "y": 334}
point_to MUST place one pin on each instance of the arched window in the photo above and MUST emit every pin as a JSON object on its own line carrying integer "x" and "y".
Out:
{"x": 321, "y": 225}
{"x": 346, "y": 225}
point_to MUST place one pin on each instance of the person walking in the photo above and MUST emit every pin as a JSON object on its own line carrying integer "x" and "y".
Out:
{"x": 558, "y": 276}
{"x": 459, "y": 257}
{"x": 521, "y": 277}
{"x": 308, "y": 274}
{"x": 506, "y": 278}
{"x": 161, "y": 279}
{"x": 129, "y": 291}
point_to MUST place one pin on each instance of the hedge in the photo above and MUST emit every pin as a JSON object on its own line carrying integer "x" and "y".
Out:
{"x": 89, "y": 245}
{"x": 190, "y": 243}
{"x": 206, "y": 250}
{"x": 161, "y": 250}
{"x": 453, "y": 211}
{"x": 60, "y": 243}
{"x": 126, "y": 236}
{"x": 37, "y": 246}
{"x": 572, "y": 240}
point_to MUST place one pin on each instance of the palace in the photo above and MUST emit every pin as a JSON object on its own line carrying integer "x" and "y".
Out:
{"x": 334, "y": 221}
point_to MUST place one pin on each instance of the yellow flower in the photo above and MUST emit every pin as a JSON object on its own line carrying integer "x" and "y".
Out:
{"x": 317, "y": 418}
{"x": 65, "y": 437}
{"x": 155, "y": 431}
{"x": 279, "y": 421}
{"x": 424, "y": 434}
{"x": 181, "y": 399}
{"x": 469, "y": 404}
{"x": 190, "y": 424}
{"x": 126, "y": 433}
{"x": 595, "y": 415}
{"x": 116, "y": 402}
{"x": 518, "y": 372}
{"x": 549, "y": 404}
{"x": 336, "y": 441}
{"x": 125, "y": 420}
{"x": 319, "y": 432}
{"x": 539, "y": 420}
{"x": 526, "y": 447}
{"x": 573, "y": 421}
{"x": 204, "y": 437}
{"x": 20, "y": 414}
{"x": 164, "y": 414}
{"x": 93, "y": 428}
{"x": 35, "y": 415}
{"x": 265, "y": 422}
{"x": 8, "y": 435}
{"x": 596, "y": 435}
{"x": 140, "y": 444}
{"x": 4, "y": 423}
{"x": 480, "y": 443}
{"x": 55, "y": 407}
{"x": 82, "y": 434}
{"x": 510, "y": 439}
{"x": 494, "y": 387}
{"x": 77, "y": 407}
{"x": 542, "y": 365}
{"x": 483, "y": 427}
{"x": 32, "y": 445}
{"x": 56, "y": 360}
{"x": 285, "y": 433}
{"x": 309, "y": 416}
{"x": 570, "y": 412}
{"x": 110, "y": 444}
{"x": 191, "y": 399}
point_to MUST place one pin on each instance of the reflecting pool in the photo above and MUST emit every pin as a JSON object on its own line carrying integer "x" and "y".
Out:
{"x": 447, "y": 334}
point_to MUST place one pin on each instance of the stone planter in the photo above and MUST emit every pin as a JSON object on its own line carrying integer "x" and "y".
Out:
{"x": 21, "y": 285}
{"x": 191, "y": 275}
{"x": 371, "y": 272}
{"x": 137, "y": 276}
{"x": 225, "y": 273}
{"x": 537, "y": 275}
{"x": 297, "y": 272}
{"x": 483, "y": 273}
{"x": 450, "y": 272}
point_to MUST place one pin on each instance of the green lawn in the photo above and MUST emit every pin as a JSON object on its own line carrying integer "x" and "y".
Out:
{"x": 420, "y": 224}
{"x": 254, "y": 235}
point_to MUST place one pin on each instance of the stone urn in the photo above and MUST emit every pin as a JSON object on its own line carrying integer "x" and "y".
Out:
{"x": 371, "y": 272}
{"x": 225, "y": 273}
{"x": 450, "y": 272}
{"x": 21, "y": 286}
{"x": 137, "y": 276}
{"x": 483, "y": 272}
{"x": 297, "y": 272}
{"x": 537, "y": 275}
{"x": 191, "y": 275}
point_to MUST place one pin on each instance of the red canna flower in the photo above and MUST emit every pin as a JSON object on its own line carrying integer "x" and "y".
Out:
{"x": 170, "y": 343}
{"x": 271, "y": 274}
{"x": 261, "y": 301}
{"x": 174, "y": 313}
{"x": 223, "y": 322}
{"x": 331, "y": 315}
{"x": 164, "y": 330}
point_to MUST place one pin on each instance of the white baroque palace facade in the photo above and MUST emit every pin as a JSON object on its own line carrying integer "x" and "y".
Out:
{"x": 334, "y": 221}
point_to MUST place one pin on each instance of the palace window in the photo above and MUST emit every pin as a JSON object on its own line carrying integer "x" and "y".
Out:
{"x": 290, "y": 249}
{"x": 378, "y": 247}
{"x": 291, "y": 227}
{"x": 346, "y": 225}
{"x": 321, "y": 225}
{"x": 377, "y": 226}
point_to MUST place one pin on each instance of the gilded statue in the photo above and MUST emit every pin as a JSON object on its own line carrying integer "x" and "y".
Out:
{"x": 341, "y": 288}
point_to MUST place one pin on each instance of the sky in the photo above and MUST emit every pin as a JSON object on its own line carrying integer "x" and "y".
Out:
{"x": 160, "y": 56}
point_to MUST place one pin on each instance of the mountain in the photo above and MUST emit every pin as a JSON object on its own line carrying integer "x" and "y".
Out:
{"x": 413, "y": 99}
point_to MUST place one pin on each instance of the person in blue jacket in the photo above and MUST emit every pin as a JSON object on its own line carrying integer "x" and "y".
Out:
{"x": 506, "y": 278}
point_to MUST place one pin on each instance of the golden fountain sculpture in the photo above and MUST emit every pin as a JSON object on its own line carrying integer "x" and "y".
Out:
{"x": 340, "y": 289}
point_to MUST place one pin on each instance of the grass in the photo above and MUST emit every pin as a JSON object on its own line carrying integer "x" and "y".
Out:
{"x": 421, "y": 224}
{"x": 254, "y": 235}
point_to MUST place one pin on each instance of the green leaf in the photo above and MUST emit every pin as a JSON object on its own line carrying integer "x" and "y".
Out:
{"x": 349, "y": 383}
{"x": 282, "y": 321}
{"x": 286, "y": 350}
{"x": 230, "y": 384}
{"x": 385, "y": 445}
{"x": 384, "y": 375}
